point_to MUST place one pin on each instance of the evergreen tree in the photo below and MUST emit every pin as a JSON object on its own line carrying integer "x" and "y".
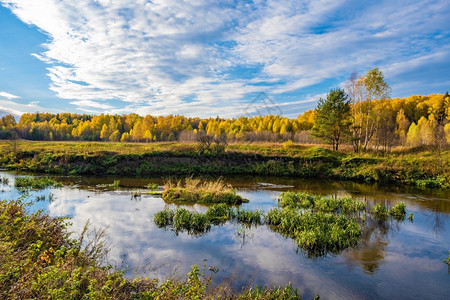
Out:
{"x": 333, "y": 118}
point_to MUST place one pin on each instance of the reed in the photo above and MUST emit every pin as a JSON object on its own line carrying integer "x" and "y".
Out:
{"x": 380, "y": 212}
{"x": 398, "y": 211}
{"x": 35, "y": 183}
{"x": 196, "y": 191}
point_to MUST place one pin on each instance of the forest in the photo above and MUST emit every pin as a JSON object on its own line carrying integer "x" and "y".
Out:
{"x": 411, "y": 121}
{"x": 370, "y": 120}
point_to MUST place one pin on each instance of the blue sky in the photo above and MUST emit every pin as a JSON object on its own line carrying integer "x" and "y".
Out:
{"x": 209, "y": 58}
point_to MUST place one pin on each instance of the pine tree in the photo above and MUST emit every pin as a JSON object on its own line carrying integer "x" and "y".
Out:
{"x": 333, "y": 118}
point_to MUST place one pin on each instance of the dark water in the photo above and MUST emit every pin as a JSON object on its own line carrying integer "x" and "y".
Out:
{"x": 391, "y": 261}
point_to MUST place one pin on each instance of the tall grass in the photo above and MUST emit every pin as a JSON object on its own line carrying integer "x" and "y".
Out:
{"x": 197, "y": 191}
{"x": 318, "y": 224}
{"x": 344, "y": 205}
{"x": 35, "y": 183}
{"x": 196, "y": 223}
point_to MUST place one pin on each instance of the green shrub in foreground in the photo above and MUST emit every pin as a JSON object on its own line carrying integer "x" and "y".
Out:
{"x": 38, "y": 260}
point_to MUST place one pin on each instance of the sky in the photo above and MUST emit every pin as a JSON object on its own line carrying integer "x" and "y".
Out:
{"x": 213, "y": 58}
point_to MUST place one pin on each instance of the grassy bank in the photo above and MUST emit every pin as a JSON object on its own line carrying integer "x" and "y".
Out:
{"x": 38, "y": 260}
{"x": 422, "y": 168}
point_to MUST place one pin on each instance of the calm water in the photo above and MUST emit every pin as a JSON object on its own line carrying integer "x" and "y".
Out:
{"x": 392, "y": 261}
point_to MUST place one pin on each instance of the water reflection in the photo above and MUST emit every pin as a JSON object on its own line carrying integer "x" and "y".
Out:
{"x": 391, "y": 260}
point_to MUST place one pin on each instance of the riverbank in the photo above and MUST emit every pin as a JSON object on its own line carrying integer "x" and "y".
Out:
{"x": 420, "y": 168}
{"x": 39, "y": 260}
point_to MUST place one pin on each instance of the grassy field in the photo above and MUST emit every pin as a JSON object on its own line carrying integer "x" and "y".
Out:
{"x": 419, "y": 167}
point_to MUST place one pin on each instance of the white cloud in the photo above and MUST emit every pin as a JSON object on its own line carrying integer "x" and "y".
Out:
{"x": 20, "y": 108}
{"x": 8, "y": 95}
{"x": 188, "y": 57}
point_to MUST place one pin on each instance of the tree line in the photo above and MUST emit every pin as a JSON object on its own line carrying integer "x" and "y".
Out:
{"x": 362, "y": 115}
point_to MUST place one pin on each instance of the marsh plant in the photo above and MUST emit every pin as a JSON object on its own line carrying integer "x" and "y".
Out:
{"x": 380, "y": 211}
{"x": 447, "y": 260}
{"x": 198, "y": 191}
{"x": 197, "y": 223}
{"x": 35, "y": 183}
{"x": 152, "y": 186}
{"x": 344, "y": 205}
{"x": 398, "y": 211}
{"x": 318, "y": 224}
{"x": 317, "y": 233}
{"x": 4, "y": 180}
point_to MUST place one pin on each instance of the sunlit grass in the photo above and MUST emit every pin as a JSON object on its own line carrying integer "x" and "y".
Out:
{"x": 197, "y": 191}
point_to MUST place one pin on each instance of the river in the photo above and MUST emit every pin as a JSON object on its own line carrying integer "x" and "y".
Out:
{"x": 391, "y": 261}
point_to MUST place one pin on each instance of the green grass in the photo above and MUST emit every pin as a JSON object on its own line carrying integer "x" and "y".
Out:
{"x": 4, "y": 180}
{"x": 318, "y": 224}
{"x": 447, "y": 260}
{"x": 398, "y": 211}
{"x": 317, "y": 233}
{"x": 39, "y": 260}
{"x": 344, "y": 205}
{"x": 424, "y": 169}
{"x": 152, "y": 186}
{"x": 196, "y": 191}
{"x": 196, "y": 223}
{"x": 35, "y": 183}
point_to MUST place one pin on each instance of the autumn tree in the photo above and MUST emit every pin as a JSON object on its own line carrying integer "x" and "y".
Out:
{"x": 333, "y": 118}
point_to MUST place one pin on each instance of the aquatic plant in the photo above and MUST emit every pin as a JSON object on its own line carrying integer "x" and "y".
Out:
{"x": 35, "y": 183}
{"x": 40, "y": 198}
{"x": 447, "y": 260}
{"x": 379, "y": 212}
{"x": 115, "y": 184}
{"x": 297, "y": 200}
{"x": 248, "y": 217}
{"x": 192, "y": 222}
{"x": 4, "y": 180}
{"x": 182, "y": 219}
{"x": 411, "y": 217}
{"x": 152, "y": 186}
{"x": 197, "y": 191}
{"x": 344, "y": 205}
{"x": 398, "y": 211}
{"x": 164, "y": 218}
{"x": 317, "y": 233}
{"x": 219, "y": 213}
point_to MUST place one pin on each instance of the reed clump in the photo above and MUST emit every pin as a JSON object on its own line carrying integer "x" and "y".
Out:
{"x": 35, "y": 183}
{"x": 196, "y": 223}
{"x": 398, "y": 211}
{"x": 197, "y": 191}
{"x": 380, "y": 212}
{"x": 318, "y": 233}
{"x": 345, "y": 205}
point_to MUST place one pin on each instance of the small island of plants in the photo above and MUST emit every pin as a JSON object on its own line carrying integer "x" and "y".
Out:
{"x": 197, "y": 191}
